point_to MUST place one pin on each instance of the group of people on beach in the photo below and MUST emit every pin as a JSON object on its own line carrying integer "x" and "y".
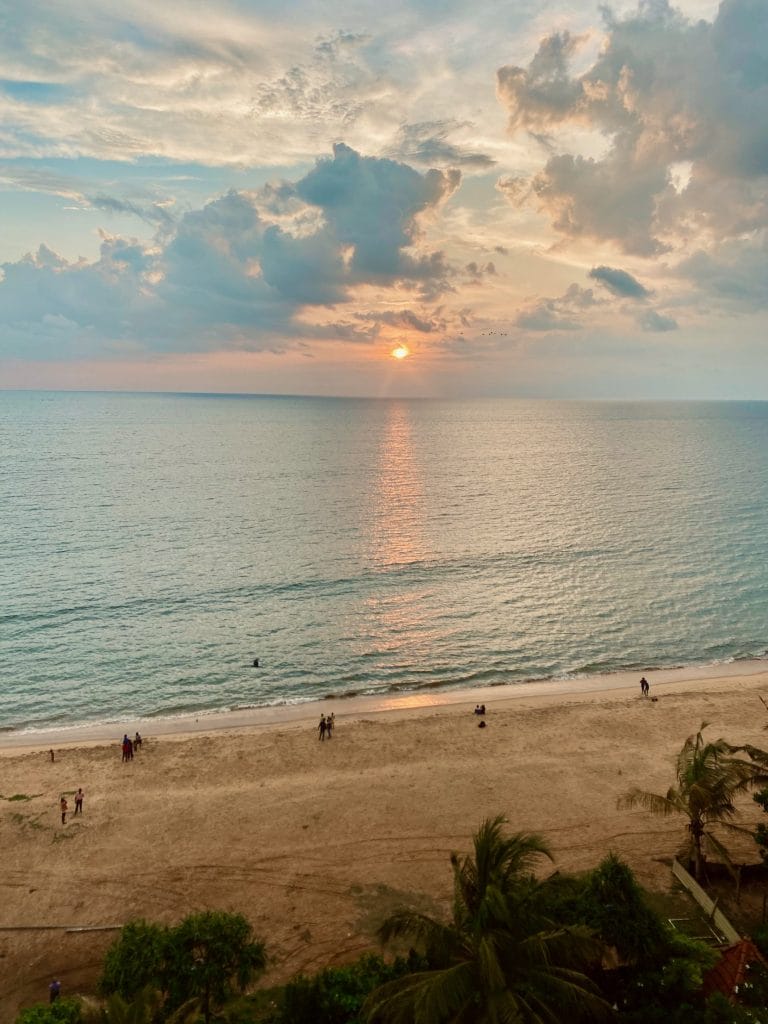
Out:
{"x": 326, "y": 726}
{"x": 64, "y": 806}
{"x": 131, "y": 746}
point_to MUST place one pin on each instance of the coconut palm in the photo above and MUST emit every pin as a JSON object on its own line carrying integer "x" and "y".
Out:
{"x": 497, "y": 961}
{"x": 709, "y": 777}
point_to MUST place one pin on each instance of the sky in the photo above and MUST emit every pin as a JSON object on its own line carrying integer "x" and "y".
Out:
{"x": 531, "y": 198}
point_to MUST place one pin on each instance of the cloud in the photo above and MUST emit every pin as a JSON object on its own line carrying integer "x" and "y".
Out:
{"x": 151, "y": 213}
{"x": 152, "y": 209}
{"x": 406, "y": 320}
{"x": 662, "y": 92}
{"x": 373, "y": 206}
{"x": 561, "y": 314}
{"x": 735, "y": 275}
{"x": 619, "y": 282}
{"x": 477, "y": 271}
{"x": 650, "y": 320}
{"x": 543, "y": 93}
{"x": 97, "y": 302}
{"x": 239, "y": 271}
{"x": 428, "y": 144}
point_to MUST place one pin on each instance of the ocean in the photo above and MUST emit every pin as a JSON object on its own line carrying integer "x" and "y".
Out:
{"x": 153, "y": 545}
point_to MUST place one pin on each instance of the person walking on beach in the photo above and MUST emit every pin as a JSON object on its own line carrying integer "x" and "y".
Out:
{"x": 79, "y": 801}
{"x": 137, "y": 741}
{"x": 63, "y": 806}
{"x": 329, "y": 724}
{"x": 644, "y": 687}
{"x": 322, "y": 727}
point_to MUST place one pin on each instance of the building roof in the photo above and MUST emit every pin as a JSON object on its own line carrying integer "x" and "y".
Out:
{"x": 730, "y": 971}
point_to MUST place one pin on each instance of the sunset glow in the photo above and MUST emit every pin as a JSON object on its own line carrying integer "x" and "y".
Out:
{"x": 298, "y": 189}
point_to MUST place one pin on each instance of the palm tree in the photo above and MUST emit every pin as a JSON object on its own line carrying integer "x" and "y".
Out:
{"x": 709, "y": 777}
{"x": 497, "y": 961}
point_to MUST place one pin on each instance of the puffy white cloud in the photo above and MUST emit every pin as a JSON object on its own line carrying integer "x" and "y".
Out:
{"x": 663, "y": 91}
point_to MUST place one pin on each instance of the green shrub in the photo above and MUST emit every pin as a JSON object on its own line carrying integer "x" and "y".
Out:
{"x": 720, "y": 1011}
{"x": 614, "y": 906}
{"x": 62, "y": 1011}
{"x": 209, "y": 956}
{"x": 760, "y": 938}
{"x": 135, "y": 960}
{"x": 336, "y": 994}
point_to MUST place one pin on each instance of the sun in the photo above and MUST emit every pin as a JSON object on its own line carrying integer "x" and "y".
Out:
{"x": 400, "y": 352}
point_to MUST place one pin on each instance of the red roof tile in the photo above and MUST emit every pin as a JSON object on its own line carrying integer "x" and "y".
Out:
{"x": 730, "y": 971}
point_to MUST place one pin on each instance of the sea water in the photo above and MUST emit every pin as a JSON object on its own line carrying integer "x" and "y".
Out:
{"x": 152, "y": 546}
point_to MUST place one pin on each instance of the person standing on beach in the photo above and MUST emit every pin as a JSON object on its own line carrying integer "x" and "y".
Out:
{"x": 64, "y": 808}
{"x": 79, "y": 801}
{"x": 644, "y": 687}
{"x": 54, "y": 990}
{"x": 329, "y": 724}
{"x": 322, "y": 727}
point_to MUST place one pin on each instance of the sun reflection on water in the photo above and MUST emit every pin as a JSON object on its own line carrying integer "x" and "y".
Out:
{"x": 399, "y": 506}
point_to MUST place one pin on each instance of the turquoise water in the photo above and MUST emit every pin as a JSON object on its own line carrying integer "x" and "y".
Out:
{"x": 152, "y": 545}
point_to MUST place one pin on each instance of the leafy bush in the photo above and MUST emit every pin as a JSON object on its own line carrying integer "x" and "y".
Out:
{"x": 135, "y": 960}
{"x": 720, "y": 1011}
{"x": 760, "y": 938}
{"x": 206, "y": 957}
{"x": 336, "y": 995}
{"x": 614, "y": 905}
{"x": 62, "y": 1011}
{"x": 209, "y": 956}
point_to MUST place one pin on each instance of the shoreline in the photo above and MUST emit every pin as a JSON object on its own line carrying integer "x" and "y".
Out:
{"x": 395, "y": 705}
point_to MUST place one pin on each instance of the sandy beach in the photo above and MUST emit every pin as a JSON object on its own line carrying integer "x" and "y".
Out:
{"x": 316, "y": 842}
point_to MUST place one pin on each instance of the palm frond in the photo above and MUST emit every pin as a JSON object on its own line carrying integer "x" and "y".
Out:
{"x": 653, "y": 802}
{"x": 438, "y": 939}
{"x": 427, "y": 997}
